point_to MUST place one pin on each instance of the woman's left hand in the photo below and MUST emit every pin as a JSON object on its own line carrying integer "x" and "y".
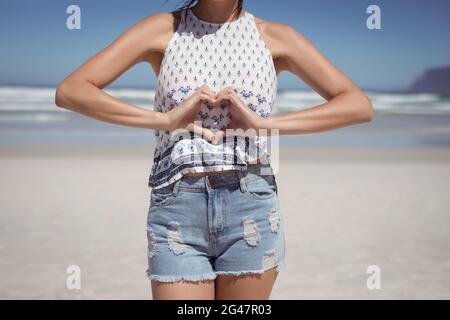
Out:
{"x": 242, "y": 117}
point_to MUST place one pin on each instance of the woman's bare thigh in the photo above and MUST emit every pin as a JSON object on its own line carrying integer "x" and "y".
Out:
{"x": 183, "y": 290}
{"x": 224, "y": 287}
{"x": 246, "y": 287}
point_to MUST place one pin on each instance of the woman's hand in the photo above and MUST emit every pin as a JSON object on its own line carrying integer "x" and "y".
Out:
{"x": 244, "y": 121}
{"x": 183, "y": 117}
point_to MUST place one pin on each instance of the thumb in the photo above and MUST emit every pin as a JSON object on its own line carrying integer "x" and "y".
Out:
{"x": 199, "y": 97}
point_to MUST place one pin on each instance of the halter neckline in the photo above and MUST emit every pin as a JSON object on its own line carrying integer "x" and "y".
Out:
{"x": 192, "y": 14}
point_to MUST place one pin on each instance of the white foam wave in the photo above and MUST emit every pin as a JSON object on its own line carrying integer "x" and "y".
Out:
{"x": 42, "y": 99}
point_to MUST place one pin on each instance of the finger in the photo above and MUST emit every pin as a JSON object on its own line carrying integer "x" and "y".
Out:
{"x": 218, "y": 136}
{"x": 209, "y": 91}
{"x": 203, "y": 87}
{"x": 222, "y": 97}
{"x": 227, "y": 89}
{"x": 221, "y": 92}
{"x": 206, "y": 96}
{"x": 200, "y": 97}
{"x": 200, "y": 93}
{"x": 229, "y": 94}
{"x": 201, "y": 131}
{"x": 235, "y": 99}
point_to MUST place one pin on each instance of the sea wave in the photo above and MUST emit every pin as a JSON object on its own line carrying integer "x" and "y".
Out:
{"x": 393, "y": 103}
{"x": 41, "y": 99}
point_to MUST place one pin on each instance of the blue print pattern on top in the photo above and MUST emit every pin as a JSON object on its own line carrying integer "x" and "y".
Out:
{"x": 231, "y": 54}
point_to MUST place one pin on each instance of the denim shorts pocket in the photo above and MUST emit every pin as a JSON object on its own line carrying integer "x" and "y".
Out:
{"x": 164, "y": 196}
{"x": 260, "y": 186}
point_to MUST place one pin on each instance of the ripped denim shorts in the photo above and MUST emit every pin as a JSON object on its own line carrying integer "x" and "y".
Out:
{"x": 203, "y": 226}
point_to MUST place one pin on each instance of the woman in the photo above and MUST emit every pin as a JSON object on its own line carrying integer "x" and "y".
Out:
{"x": 215, "y": 230}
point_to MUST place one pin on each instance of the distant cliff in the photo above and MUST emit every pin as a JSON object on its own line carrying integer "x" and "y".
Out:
{"x": 433, "y": 81}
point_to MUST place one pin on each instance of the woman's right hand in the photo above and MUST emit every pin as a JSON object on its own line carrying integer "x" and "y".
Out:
{"x": 183, "y": 117}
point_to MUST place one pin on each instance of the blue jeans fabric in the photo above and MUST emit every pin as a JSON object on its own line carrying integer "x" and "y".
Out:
{"x": 201, "y": 227}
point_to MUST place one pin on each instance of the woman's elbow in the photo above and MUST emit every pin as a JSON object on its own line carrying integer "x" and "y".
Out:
{"x": 62, "y": 95}
{"x": 364, "y": 109}
{"x": 68, "y": 92}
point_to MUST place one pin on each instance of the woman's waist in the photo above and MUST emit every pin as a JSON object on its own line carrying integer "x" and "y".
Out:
{"x": 249, "y": 166}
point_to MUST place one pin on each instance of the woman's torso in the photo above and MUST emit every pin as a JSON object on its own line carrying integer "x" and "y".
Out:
{"x": 219, "y": 55}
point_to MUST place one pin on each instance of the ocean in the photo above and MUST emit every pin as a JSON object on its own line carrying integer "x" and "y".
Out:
{"x": 29, "y": 115}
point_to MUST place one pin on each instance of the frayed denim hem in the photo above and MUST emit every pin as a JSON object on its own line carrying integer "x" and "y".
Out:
{"x": 213, "y": 275}
{"x": 193, "y": 278}
{"x": 279, "y": 266}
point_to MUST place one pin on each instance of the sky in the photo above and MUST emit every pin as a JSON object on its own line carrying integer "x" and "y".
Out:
{"x": 38, "y": 49}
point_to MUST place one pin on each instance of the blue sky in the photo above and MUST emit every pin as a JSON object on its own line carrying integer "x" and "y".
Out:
{"x": 38, "y": 49}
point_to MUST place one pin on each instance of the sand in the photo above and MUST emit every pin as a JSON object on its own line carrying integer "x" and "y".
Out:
{"x": 343, "y": 209}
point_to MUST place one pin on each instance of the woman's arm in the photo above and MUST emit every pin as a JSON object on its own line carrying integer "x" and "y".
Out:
{"x": 346, "y": 103}
{"x": 82, "y": 90}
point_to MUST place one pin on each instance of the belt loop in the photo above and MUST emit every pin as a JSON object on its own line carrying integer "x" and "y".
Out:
{"x": 241, "y": 177}
{"x": 176, "y": 187}
{"x": 207, "y": 185}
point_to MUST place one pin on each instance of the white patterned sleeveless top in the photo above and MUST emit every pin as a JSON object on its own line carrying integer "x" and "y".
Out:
{"x": 231, "y": 54}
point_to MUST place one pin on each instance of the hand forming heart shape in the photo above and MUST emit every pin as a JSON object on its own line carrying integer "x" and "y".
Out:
{"x": 184, "y": 116}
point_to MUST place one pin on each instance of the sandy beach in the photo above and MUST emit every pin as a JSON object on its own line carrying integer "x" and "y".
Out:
{"x": 344, "y": 209}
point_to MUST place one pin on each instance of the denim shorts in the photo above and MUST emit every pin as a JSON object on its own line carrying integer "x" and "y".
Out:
{"x": 203, "y": 226}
